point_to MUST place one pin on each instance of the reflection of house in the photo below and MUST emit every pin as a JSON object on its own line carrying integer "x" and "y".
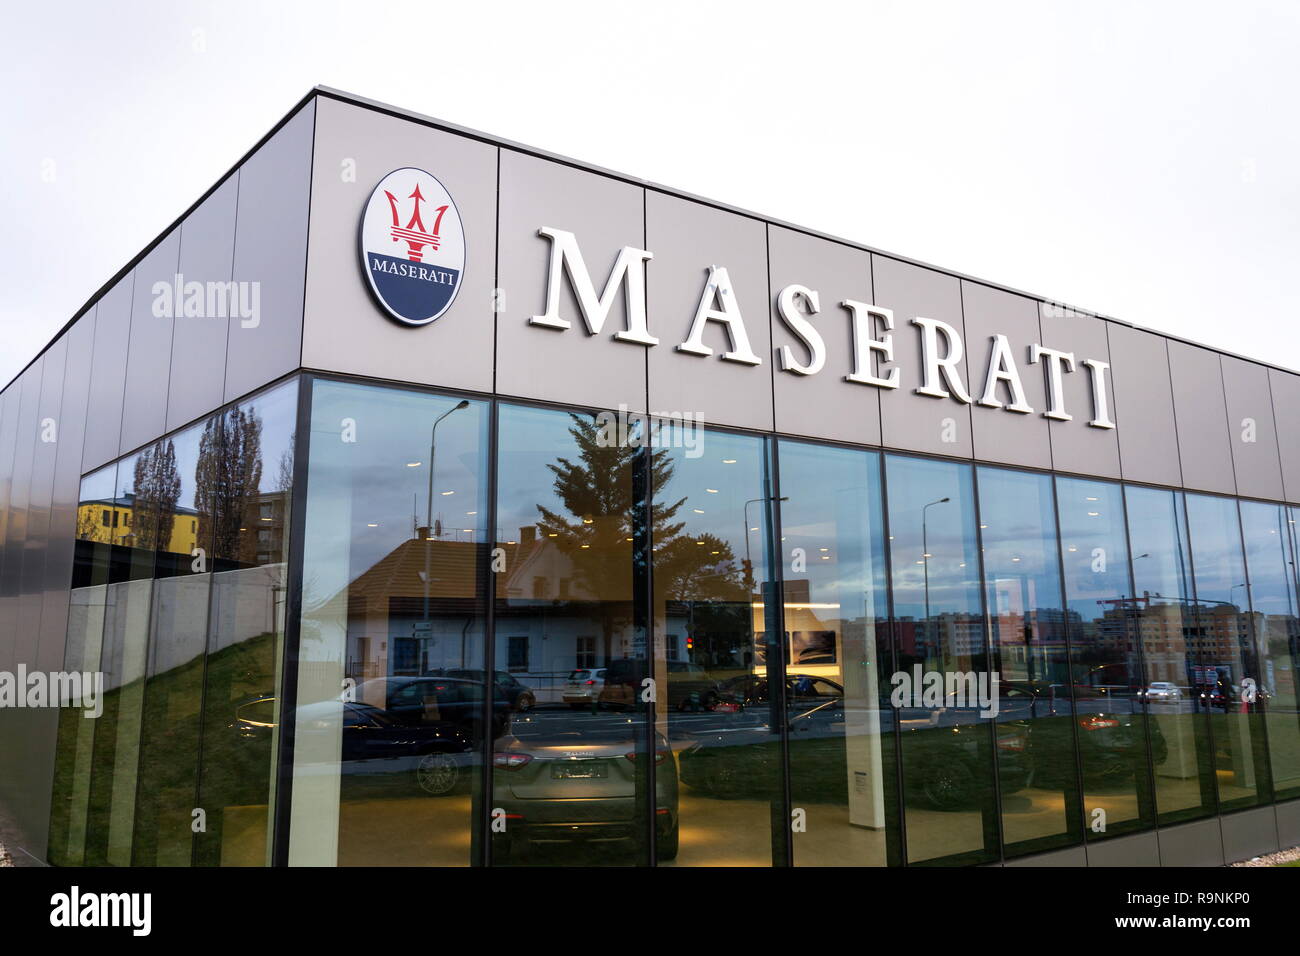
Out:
{"x": 418, "y": 609}
{"x": 113, "y": 521}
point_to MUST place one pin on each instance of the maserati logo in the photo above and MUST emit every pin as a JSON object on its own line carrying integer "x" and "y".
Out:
{"x": 412, "y": 246}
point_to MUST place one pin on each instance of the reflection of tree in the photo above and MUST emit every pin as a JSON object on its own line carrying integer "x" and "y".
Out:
{"x": 598, "y": 532}
{"x": 227, "y": 480}
{"x": 157, "y": 486}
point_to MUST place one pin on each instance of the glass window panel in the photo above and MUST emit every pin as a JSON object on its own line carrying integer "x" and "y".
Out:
{"x": 1037, "y": 772}
{"x": 1177, "y": 720}
{"x": 169, "y": 745}
{"x": 242, "y": 497}
{"x": 130, "y": 521}
{"x": 72, "y": 765}
{"x": 716, "y": 705}
{"x": 567, "y": 775}
{"x": 1270, "y": 563}
{"x": 1225, "y": 639}
{"x": 1105, "y": 658}
{"x": 388, "y": 770}
{"x": 841, "y": 729}
{"x": 949, "y": 800}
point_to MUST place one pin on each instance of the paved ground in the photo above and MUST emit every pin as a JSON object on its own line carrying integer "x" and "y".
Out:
{"x": 4, "y": 856}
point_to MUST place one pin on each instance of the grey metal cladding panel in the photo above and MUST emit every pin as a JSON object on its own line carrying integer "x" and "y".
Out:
{"x": 1288, "y": 823}
{"x": 1138, "y": 850}
{"x": 686, "y": 237}
{"x": 566, "y": 365}
{"x": 149, "y": 349}
{"x": 44, "y": 452}
{"x": 1144, "y": 406}
{"x": 1072, "y": 857}
{"x": 1249, "y": 833}
{"x": 40, "y": 730}
{"x": 999, "y": 435}
{"x": 344, "y": 328}
{"x": 66, "y": 488}
{"x": 1252, "y": 432}
{"x": 10, "y": 399}
{"x": 908, "y": 420}
{"x": 196, "y": 382}
{"x": 271, "y": 250}
{"x": 107, "y": 375}
{"x": 1204, "y": 447}
{"x": 1285, "y": 388}
{"x": 1192, "y": 844}
{"x": 821, "y": 405}
{"x": 1076, "y": 446}
{"x": 16, "y": 530}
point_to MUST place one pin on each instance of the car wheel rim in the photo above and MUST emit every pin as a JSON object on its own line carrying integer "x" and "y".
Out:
{"x": 436, "y": 773}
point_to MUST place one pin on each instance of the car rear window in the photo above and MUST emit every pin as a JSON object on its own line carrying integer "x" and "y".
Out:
{"x": 578, "y": 675}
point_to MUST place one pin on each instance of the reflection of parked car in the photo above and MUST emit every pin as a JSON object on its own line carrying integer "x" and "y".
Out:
{"x": 689, "y": 685}
{"x": 583, "y": 687}
{"x": 947, "y": 750}
{"x": 1161, "y": 690}
{"x": 414, "y": 701}
{"x": 521, "y": 696}
{"x": 561, "y": 789}
{"x": 438, "y": 754}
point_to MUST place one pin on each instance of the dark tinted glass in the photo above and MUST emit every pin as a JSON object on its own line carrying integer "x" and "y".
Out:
{"x": 943, "y": 682}
{"x": 76, "y": 742}
{"x": 1228, "y": 670}
{"x": 1177, "y": 717}
{"x": 393, "y": 553}
{"x": 243, "y": 484}
{"x": 1105, "y": 658}
{"x": 1270, "y": 564}
{"x": 711, "y": 604}
{"x": 841, "y": 729}
{"x": 568, "y": 784}
{"x": 1037, "y": 771}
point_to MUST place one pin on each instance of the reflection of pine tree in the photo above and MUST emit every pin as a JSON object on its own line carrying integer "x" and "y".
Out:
{"x": 227, "y": 480}
{"x": 157, "y": 487}
{"x": 598, "y": 532}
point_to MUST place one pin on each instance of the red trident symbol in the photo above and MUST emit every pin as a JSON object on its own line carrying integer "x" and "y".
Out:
{"x": 413, "y": 233}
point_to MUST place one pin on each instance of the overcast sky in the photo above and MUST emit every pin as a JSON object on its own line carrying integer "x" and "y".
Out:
{"x": 1138, "y": 160}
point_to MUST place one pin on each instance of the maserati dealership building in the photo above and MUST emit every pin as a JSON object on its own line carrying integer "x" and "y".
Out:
{"x": 420, "y": 498}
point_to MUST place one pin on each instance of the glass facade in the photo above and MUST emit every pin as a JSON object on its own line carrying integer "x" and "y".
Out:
{"x": 178, "y": 599}
{"x": 517, "y": 635}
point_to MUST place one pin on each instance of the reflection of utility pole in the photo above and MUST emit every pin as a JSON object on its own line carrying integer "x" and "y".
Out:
{"x": 749, "y": 564}
{"x": 427, "y": 627}
{"x": 925, "y": 562}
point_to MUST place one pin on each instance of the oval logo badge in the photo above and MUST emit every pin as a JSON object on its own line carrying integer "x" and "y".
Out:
{"x": 412, "y": 246}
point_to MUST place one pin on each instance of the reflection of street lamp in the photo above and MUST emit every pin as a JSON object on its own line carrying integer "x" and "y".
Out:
{"x": 925, "y": 555}
{"x": 428, "y": 520}
{"x": 749, "y": 566}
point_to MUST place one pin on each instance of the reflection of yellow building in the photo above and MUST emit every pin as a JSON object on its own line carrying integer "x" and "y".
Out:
{"x": 112, "y": 521}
